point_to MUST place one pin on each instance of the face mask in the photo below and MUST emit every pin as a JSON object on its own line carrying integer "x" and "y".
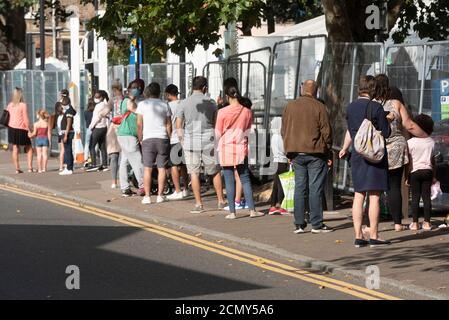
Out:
{"x": 97, "y": 100}
{"x": 135, "y": 92}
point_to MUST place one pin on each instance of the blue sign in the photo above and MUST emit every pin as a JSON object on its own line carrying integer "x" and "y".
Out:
{"x": 440, "y": 99}
{"x": 132, "y": 51}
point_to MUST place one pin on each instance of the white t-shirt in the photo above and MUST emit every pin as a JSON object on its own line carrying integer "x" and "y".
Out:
{"x": 174, "y": 106}
{"x": 421, "y": 151}
{"x": 154, "y": 113}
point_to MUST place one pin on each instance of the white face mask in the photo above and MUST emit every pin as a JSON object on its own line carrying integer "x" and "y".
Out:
{"x": 97, "y": 100}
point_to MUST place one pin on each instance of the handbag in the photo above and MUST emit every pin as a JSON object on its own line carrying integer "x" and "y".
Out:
{"x": 4, "y": 119}
{"x": 369, "y": 142}
{"x": 118, "y": 119}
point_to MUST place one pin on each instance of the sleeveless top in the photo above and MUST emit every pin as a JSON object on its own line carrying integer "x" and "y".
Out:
{"x": 396, "y": 144}
{"x": 42, "y": 132}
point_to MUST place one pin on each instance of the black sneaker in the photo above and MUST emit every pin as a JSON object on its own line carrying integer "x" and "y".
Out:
{"x": 374, "y": 243}
{"x": 92, "y": 168}
{"x": 323, "y": 229}
{"x": 127, "y": 193}
{"x": 104, "y": 169}
{"x": 300, "y": 228}
{"x": 359, "y": 243}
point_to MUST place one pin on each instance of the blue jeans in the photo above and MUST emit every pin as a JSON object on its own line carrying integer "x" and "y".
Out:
{"x": 68, "y": 153}
{"x": 87, "y": 144}
{"x": 309, "y": 169}
{"x": 243, "y": 171}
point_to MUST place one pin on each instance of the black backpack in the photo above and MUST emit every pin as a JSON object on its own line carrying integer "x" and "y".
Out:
{"x": 4, "y": 119}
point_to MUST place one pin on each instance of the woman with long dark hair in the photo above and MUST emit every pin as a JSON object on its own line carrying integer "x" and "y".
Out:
{"x": 232, "y": 129}
{"x": 400, "y": 121}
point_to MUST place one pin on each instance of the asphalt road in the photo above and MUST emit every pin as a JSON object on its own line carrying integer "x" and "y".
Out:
{"x": 39, "y": 240}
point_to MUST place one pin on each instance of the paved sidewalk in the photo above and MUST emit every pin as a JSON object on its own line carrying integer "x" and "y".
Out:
{"x": 416, "y": 262}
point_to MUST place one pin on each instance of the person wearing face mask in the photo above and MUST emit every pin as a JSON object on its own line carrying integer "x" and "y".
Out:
{"x": 67, "y": 134}
{"x": 99, "y": 127}
{"x": 127, "y": 139}
{"x": 117, "y": 98}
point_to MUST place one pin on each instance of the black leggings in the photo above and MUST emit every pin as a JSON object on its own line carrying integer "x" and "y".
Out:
{"x": 395, "y": 195}
{"x": 421, "y": 183}
{"x": 277, "y": 195}
{"x": 99, "y": 137}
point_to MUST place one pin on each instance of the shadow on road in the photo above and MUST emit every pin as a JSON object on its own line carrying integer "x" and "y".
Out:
{"x": 34, "y": 259}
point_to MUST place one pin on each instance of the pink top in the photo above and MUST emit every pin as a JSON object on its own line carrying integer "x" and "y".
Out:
{"x": 232, "y": 131}
{"x": 18, "y": 116}
{"x": 42, "y": 132}
{"x": 421, "y": 151}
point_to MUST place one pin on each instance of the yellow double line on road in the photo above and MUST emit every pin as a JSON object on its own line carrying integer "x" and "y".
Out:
{"x": 274, "y": 266}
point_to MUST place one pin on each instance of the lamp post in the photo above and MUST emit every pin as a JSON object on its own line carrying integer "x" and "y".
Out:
{"x": 42, "y": 32}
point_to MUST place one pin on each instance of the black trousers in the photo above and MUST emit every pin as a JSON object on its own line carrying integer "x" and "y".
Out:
{"x": 421, "y": 183}
{"x": 277, "y": 195}
{"x": 99, "y": 137}
{"x": 395, "y": 195}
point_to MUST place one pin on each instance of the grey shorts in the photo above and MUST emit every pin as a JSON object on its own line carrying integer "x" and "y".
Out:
{"x": 176, "y": 155}
{"x": 205, "y": 158}
{"x": 156, "y": 152}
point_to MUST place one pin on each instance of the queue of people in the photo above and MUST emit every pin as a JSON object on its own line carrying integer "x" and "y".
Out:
{"x": 143, "y": 139}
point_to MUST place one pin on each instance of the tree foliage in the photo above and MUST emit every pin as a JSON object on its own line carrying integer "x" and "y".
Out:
{"x": 346, "y": 19}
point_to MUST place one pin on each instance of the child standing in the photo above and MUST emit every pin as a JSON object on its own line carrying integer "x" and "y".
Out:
{"x": 422, "y": 171}
{"x": 43, "y": 137}
{"x": 281, "y": 160}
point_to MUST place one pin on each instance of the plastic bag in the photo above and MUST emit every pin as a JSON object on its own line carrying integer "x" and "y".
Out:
{"x": 288, "y": 185}
{"x": 436, "y": 190}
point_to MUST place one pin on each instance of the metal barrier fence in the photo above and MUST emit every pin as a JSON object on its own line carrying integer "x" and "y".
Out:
{"x": 293, "y": 61}
{"x": 180, "y": 74}
{"x": 421, "y": 72}
{"x": 41, "y": 90}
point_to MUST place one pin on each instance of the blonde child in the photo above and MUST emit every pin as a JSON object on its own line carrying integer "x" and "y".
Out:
{"x": 42, "y": 133}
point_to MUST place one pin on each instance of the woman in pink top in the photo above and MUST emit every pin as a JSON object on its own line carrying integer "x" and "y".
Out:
{"x": 18, "y": 128}
{"x": 232, "y": 131}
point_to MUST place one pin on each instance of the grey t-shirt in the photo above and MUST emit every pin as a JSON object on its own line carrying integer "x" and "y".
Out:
{"x": 198, "y": 113}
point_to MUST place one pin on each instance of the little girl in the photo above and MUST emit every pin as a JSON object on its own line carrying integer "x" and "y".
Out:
{"x": 422, "y": 171}
{"x": 43, "y": 137}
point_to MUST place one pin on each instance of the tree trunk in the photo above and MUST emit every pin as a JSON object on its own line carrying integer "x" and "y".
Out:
{"x": 346, "y": 22}
{"x": 12, "y": 38}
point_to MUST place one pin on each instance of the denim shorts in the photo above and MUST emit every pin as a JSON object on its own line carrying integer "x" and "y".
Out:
{"x": 42, "y": 142}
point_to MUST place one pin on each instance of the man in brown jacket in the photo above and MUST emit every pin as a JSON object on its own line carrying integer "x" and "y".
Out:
{"x": 307, "y": 136}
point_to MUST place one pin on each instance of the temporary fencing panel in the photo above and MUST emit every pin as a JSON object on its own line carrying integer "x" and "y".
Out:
{"x": 421, "y": 72}
{"x": 40, "y": 89}
{"x": 293, "y": 61}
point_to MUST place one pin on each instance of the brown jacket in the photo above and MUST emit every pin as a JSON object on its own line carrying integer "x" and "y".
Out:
{"x": 306, "y": 127}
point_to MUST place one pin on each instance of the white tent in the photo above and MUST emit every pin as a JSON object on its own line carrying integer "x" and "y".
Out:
{"x": 51, "y": 64}
{"x": 312, "y": 27}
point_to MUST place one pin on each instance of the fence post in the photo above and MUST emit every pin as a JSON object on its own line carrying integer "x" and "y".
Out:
{"x": 298, "y": 68}
{"x": 423, "y": 80}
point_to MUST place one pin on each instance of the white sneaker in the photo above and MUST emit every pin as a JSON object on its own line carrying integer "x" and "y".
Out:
{"x": 66, "y": 172}
{"x": 113, "y": 186}
{"x": 161, "y": 199}
{"x": 186, "y": 193}
{"x": 146, "y": 200}
{"x": 175, "y": 196}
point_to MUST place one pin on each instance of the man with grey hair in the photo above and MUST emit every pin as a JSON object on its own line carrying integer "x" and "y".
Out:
{"x": 307, "y": 136}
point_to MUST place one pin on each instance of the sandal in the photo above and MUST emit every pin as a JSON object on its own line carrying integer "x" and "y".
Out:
{"x": 413, "y": 229}
{"x": 403, "y": 228}
{"x": 32, "y": 171}
{"x": 19, "y": 171}
{"x": 427, "y": 228}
